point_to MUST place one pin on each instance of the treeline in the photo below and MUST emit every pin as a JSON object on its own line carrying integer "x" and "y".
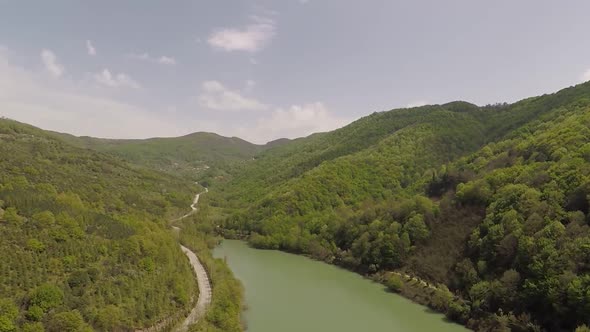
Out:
{"x": 85, "y": 241}
{"x": 492, "y": 203}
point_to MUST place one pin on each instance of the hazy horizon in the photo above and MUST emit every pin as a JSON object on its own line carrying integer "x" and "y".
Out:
{"x": 262, "y": 70}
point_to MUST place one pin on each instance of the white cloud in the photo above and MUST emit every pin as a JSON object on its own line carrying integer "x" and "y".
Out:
{"x": 90, "y": 48}
{"x": 81, "y": 107}
{"x": 74, "y": 107}
{"x": 166, "y": 60}
{"x": 303, "y": 1}
{"x": 51, "y": 64}
{"x": 163, "y": 60}
{"x": 295, "y": 121}
{"x": 143, "y": 56}
{"x": 115, "y": 81}
{"x": 586, "y": 76}
{"x": 216, "y": 96}
{"x": 417, "y": 104}
{"x": 251, "y": 38}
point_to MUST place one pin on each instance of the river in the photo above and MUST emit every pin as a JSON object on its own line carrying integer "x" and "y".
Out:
{"x": 286, "y": 292}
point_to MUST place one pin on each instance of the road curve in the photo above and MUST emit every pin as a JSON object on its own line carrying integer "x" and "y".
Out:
{"x": 202, "y": 281}
{"x": 202, "y": 278}
{"x": 204, "y": 291}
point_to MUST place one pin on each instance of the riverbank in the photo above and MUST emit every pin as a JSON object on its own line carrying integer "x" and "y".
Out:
{"x": 286, "y": 292}
{"x": 224, "y": 312}
{"x": 435, "y": 296}
{"x": 227, "y": 294}
{"x": 205, "y": 294}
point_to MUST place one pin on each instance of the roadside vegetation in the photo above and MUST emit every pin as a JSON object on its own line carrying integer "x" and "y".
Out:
{"x": 227, "y": 304}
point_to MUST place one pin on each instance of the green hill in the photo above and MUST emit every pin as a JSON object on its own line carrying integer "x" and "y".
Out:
{"x": 490, "y": 202}
{"x": 479, "y": 212}
{"x": 188, "y": 155}
{"x": 85, "y": 239}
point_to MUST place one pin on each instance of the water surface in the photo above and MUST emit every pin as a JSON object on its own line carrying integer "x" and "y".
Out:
{"x": 286, "y": 292}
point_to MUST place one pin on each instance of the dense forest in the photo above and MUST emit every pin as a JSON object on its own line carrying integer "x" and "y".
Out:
{"x": 479, "y": 212}
{"x": 490, "y": 204}
{"x": 86, "y": 243}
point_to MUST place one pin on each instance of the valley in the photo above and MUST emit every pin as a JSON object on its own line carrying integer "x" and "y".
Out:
{"x": 479, "y": 213}
{"x": 300, "y": 165}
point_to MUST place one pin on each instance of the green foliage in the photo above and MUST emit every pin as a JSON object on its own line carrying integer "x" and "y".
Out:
{"x": 68, "y": 321}
{"x": 83, "y": 230}
{"x": 227, "y": 292}
{"x": 7, "y": 325}
{"x": 492, "y": 201}
{"x": 111, "y": 318}
{"x": 46, "y": 297}
{"x": 394, "y": 283}
{"x": 204, "y": 153}
{"x": 33, "y": 327}
{"x": 35, "y": 313}
{"x": 416, "y": 228}
{"x": 8, "y": 315}
{"x": 8, "y": 309}
{"x": 35, "y": 245}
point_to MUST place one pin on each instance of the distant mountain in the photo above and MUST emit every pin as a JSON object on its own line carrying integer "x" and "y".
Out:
{"x": 491, "y": 202}
{"x": 277, "y": 142}
{"x": 187, "y": 155}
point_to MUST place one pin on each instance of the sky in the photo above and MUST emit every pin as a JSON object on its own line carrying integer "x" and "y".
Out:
{"x": 267, "y": 69}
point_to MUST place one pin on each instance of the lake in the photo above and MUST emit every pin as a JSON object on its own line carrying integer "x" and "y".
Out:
{"x": 286, "y": 292}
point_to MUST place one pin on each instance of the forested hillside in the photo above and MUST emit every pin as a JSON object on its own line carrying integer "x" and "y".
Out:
{"x": 187, "y": 155}
{"x": 489, "y": 202}
{"x": 85, "y": 240}
{"x": 479, "y": 212}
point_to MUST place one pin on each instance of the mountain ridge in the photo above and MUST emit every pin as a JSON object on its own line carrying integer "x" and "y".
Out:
{"x": 471, "y": 198}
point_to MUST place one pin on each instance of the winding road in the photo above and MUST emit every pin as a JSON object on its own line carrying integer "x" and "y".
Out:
{"x": 202, "y": 281}
{"x": 202, "y": 278}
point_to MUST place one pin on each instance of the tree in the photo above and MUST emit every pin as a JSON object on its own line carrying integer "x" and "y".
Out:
{"x": 480, "y": 294}
{"x": 35, "y": 245}
{"x": 35, "y": 313}
{"x": 46, "y": 297}
{"x": 6, "y": 324}
{"x": 12, "y": 217}
{"x": 394, "y": 283}
{"x": 33, "y": 327}
{"x": 8, "y": 309}
{"x": 8, "y": 315}
{"x": 110, "y": 318}
{"x": 417, "y": 229}
{"x": 44, "y": 219}
{"x": 68, "y": 321}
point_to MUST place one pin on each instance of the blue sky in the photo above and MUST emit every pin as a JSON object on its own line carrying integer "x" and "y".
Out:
{"x": 262, "y": 70}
